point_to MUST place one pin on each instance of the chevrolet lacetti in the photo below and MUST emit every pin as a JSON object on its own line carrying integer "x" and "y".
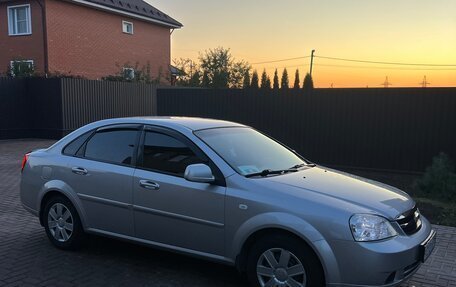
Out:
{"x": 225, "y": 192}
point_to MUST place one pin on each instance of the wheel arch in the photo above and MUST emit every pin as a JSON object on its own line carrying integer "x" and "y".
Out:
{"x": 59, "y": 188}
{"x": 301, "y": 230}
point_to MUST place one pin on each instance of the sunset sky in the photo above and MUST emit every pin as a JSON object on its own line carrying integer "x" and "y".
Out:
{"x": 405, "y": 31}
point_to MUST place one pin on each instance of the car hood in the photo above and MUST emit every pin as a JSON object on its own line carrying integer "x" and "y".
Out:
{"x": 386, "y": 200}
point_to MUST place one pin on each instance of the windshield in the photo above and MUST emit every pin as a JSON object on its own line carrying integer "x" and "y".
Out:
{"x": 248, "y": 151}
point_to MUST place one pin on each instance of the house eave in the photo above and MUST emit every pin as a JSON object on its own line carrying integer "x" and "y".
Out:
{"x": 125, "y": 13}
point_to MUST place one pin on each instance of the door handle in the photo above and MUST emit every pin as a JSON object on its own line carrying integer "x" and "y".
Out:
{"x": 147, "y": 184}
{"x": 79, "y": 170}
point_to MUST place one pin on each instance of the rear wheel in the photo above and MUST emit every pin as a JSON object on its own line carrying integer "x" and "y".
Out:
{"x": 283, "y": 261}
{"x": 62, "y": 224}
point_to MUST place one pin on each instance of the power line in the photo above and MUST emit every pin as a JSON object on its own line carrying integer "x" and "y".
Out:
{"x": 281, "y": 60}
{"x": 283, "y": 67}
{"x": 384, "y": 68}
{"x": 386, "y": 63}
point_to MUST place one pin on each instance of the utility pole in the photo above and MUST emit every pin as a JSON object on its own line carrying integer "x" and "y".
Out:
{"x": 311, "y": 61}
{"x": 191, "y": 68}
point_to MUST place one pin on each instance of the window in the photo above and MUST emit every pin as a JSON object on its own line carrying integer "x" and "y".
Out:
{"x": 19, "y": 20}
{"x": 114, "y": 145}
{"x": 167, "y": 154}
{"x": 73, "y": 147}
{"x": 249, "y": 151}
{"x": 129, "y": 73}
{"x": 127, "y": 27}
{"x": 22, "y": 68}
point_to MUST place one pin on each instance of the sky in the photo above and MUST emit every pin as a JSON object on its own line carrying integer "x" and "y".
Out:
{"x": 404, "y": 31}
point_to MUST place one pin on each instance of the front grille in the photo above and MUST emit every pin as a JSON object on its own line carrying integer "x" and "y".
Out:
{"x": 410, "y": 221}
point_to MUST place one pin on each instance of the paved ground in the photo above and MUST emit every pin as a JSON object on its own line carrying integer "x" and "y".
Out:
{"x": 28, "y": 259}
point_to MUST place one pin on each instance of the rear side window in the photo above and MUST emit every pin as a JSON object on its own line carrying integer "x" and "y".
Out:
{"x": 114, "y": 146}
{"x": 167, "y": 154}
{"x": 73, "y": 147}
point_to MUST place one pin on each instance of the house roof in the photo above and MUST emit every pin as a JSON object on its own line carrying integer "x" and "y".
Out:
{"x": 175, "y": 71}
{"x": 137, "y": 7}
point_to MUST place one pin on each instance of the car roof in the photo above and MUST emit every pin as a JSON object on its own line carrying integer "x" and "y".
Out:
{"x": 192, "y": 123}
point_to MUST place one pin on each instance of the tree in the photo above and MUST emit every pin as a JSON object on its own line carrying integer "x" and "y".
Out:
{"x": 205, "y": 82}
{"x": 276, "y": 81}
{"x": 268, "y": 83}
{"x": 296, "y": 82}
{"x": 195, "y": 80}
{"x": 190, "y": 76}
{"x": 264, "y": 80}
{"x": 221, "y": 69}
{"x": 308, "y": 84}
{"x": 237, "y": 73}
{"x": 135, "y": 74}
{"x": 246, "y": 81}
{"x": 284, "y": 81}
{"x": 254, "y": 83}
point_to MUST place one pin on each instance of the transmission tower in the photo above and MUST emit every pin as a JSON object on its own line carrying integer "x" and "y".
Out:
{"x": 386, "y": 84}
{"x": 424, "y": 83}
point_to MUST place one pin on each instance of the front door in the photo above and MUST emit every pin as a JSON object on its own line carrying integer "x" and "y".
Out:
{"x": 168, "y": 209}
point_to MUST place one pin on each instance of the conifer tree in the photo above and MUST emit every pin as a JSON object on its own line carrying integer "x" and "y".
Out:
{"x": 268, "y": 83}
{"x": 276, "y": 81}
{"x": 308, "y": 84}
{"x": 264, "y": 78}
{"x": 254, "y": 84}
{"x": 246, "y": 81}
{"x": 296, "y": 82}
{"x": 284, "y": 82}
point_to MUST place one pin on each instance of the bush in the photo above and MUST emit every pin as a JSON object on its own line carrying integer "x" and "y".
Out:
{"x": 135, "y": 74}
{"x": 439, "y": 180}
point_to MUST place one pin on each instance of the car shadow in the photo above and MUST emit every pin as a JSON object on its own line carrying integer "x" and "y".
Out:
{"x": 145, "y": 265}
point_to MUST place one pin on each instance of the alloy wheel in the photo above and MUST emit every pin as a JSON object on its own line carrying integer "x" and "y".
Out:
{"x": 60, "y": 222}
{"x": 280, "y": 267}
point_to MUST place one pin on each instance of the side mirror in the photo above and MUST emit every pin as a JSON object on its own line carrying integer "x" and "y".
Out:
{"x": 199, "y": 173}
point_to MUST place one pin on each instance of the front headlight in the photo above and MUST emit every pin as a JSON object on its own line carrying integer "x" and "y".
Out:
{"x": 369, "y": 227}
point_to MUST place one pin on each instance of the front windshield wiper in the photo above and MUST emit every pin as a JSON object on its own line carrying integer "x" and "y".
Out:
{"x": 267, "y": 172}
{"x": 297, "y": 166}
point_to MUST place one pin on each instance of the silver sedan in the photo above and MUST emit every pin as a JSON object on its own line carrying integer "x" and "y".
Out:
{"x": 228, "y": 193}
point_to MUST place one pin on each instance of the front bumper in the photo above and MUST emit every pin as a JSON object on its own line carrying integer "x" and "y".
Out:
{"x": 383, "y": 263}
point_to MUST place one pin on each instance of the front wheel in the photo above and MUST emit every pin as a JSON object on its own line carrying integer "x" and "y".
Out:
{"x": 62, "y": 224}
{"x": 283, "y": 261}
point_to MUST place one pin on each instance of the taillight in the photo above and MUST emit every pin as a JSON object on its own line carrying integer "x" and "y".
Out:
{"x": 24, "y": 161}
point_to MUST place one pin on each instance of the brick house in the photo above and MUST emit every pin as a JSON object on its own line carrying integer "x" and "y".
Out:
{"x": 89, "y": 38}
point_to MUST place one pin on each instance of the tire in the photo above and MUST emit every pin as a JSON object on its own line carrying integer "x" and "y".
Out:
{"x": 302, "y": 265}
{"x": 62, "y": 223}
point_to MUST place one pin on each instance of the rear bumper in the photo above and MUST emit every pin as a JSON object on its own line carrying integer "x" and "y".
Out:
{"x": 383, "y": 263}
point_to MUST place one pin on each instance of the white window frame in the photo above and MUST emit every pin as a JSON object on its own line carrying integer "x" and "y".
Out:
{"x": 123, "y": 27}
{"x": 11, "y": 24}
{"x": 26, "y": 61}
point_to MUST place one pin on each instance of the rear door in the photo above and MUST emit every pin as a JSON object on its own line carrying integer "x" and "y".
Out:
{"x": 101, "y": 172}
{"x": 169, "y": 209}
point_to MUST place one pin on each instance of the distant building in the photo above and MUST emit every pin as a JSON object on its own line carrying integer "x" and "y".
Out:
{"x": 89, "y": 38}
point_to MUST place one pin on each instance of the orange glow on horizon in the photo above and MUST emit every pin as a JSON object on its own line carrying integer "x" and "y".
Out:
{"x": 407, "y": 31}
